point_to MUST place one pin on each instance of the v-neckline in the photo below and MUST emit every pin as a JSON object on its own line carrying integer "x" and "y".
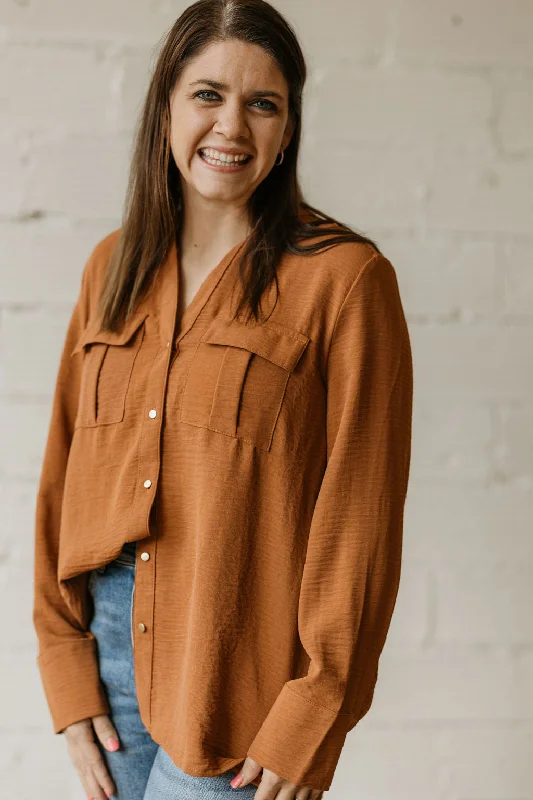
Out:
{"x": 205, "y": 289}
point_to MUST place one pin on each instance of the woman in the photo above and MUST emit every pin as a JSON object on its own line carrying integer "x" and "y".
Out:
{"x": 219, "y": 516}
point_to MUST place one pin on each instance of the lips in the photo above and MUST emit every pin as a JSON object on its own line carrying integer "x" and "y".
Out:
{"x": 229, "y": 163}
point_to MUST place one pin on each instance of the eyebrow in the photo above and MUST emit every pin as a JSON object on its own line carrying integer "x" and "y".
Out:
{"x": 224, "y": 87}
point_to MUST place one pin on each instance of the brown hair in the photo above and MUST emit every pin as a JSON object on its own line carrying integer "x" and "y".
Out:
{"x": 152, "y": 214}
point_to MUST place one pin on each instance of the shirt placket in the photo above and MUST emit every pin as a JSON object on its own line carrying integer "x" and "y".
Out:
{"x": 144, "y": 596}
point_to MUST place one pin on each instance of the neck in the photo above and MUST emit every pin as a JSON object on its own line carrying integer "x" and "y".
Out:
{"x": 208, "y": 230}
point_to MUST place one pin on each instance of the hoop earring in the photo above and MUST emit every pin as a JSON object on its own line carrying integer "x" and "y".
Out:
{"x": 276, "y": 163}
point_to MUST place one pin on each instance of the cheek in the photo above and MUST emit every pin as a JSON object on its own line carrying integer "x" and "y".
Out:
{"x": 267, "y": 140}
{"x": 197, "y": 123}
{"x": 184, "y": 152}
{"x": 188, "y": 131}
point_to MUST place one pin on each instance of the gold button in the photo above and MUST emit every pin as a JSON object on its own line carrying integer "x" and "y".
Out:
{"x": 152, "y": 413}
{"x": 142, "y": 627}
{"x": 145, "y": 556}
{"x": 147, "y": 483}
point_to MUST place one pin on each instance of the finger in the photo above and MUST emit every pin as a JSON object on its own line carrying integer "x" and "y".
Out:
{"x": 269, "y": 787}
{"x": 290, "y": 791}
{"x": 106, "y": 732}
{"x": 104, "y": 779}
{"x": 90, "y": 784}
{"x": 96, "y": 772}
{"x": 247, "y": 773}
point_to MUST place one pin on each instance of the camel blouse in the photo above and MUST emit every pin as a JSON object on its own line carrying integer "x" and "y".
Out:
{"x": 262, "y": 471}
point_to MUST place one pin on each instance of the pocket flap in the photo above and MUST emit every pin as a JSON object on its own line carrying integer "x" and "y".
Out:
{"x": 280, "y": 345}
{"x": 92, "y": 333}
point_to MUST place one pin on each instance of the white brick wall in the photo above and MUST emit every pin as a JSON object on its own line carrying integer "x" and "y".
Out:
{"x": 418, "y": 130}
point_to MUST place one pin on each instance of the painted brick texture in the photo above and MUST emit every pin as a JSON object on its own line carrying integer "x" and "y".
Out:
{"x": 418, "y": 131}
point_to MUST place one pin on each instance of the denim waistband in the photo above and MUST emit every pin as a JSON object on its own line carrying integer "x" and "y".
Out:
{"x": 127, "y": 555}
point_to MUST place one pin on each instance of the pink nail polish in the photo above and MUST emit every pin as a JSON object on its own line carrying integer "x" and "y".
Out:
{"x": 112, "y": 744}
{"x": 236, "y": 781}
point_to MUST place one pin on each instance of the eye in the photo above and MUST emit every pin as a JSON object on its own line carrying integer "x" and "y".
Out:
{"x": 270, "y": 106}
{"x": 204, "y": 91}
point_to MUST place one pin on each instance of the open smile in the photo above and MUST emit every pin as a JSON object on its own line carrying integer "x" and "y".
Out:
{"x": 224, "y": 166}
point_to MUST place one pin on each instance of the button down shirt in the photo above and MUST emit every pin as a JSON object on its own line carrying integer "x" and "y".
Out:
{"x": 262, "y": 469}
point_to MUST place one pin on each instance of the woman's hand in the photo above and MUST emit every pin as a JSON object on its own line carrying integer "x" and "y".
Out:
{"x": 272, "y": 785}
{"x": 86, "y": 755}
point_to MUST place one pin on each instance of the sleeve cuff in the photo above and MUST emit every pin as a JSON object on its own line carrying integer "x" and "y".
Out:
{"x": 301, "y": 741}
{"x": 71, "y": 683}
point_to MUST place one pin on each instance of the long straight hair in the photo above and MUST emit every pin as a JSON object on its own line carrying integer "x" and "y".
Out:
{"x": 153, "y": 206}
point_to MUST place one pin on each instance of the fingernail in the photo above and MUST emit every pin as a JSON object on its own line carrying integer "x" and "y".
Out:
{"x": 112, "y": 744}
{"x": 236, "y": 782}
{"x": 107, "y": 793}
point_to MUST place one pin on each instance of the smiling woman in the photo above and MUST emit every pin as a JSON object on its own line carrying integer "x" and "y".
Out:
{"x": 231, "y": 118}
{"x": 219, "y": 516}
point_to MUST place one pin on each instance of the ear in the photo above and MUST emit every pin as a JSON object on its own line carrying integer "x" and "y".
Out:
{"x": 287, "y": 136}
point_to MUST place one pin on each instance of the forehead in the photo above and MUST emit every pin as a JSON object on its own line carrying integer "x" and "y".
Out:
{"x": 243, "y": 66}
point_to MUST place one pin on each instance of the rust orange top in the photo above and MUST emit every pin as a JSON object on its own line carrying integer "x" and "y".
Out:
{"x": 263, "y": 469}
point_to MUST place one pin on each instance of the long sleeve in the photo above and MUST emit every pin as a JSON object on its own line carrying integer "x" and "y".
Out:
{"x": 66, "y": 654}
{"x": 353, "y": 559}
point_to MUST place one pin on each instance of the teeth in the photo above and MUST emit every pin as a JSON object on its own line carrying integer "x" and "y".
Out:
{"x": 223, "y": 158}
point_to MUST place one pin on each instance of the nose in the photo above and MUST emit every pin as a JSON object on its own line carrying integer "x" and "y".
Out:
{"x": 231, "y": 122}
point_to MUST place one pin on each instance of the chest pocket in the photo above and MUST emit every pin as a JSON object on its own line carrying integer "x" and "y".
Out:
{"x": 108, "y": 360}
{"x": 238, "y": 377}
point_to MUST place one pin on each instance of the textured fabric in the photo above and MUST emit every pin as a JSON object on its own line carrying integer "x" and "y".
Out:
{"x": 263, "y": 471}
{"x": 140, "y": 768}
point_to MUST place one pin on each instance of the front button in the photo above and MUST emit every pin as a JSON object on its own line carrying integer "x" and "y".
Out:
{"x": 152, "y": 413}
{"x": 145, "y": 556}
{"x": 147, "y": 483}
{"x": 142, "y": 627}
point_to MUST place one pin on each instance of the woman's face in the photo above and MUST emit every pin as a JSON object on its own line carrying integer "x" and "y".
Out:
{"x": 246, "y": 112}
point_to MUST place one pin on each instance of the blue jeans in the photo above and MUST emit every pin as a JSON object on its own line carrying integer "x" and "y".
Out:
{"x": 140, "y": 768}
